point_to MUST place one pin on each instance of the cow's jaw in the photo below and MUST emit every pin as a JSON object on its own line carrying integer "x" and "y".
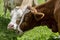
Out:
{"x": 13, "y": 22}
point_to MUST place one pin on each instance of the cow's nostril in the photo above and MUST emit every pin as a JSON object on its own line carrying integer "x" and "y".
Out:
{"x": 11, "y": 25}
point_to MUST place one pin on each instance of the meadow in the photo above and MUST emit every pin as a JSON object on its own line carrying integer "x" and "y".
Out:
{"x": 37, "y": 33}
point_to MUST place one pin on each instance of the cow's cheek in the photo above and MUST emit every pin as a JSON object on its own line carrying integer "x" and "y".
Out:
{"x": 23, "y": 26}
{"x": 17, "y": 22}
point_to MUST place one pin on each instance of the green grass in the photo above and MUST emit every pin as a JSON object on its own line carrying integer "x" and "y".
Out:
{"x": 37, "y": 33}
{"x": 41, "y": 1}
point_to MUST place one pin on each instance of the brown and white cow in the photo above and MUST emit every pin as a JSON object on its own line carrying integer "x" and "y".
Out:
{"x": 45, "y": 14}
{"x": 18, "y": 12}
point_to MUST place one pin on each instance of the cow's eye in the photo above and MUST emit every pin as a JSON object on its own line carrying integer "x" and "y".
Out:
{"x": 17, "y": 22}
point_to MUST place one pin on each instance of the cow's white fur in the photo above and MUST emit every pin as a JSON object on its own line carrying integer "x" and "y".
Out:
{"x": 18, "y": 14}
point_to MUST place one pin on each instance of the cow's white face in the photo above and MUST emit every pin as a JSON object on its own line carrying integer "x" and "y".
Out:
{"x": 16, "y": 14}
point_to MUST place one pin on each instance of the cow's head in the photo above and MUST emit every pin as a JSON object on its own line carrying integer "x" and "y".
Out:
{"x": 16, "y": 15}
{"x": 30, "y": 20}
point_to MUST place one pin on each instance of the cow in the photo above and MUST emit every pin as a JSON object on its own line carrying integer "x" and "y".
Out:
{"x": 45, "y": 14}
{"x": 11, "y": 4}
{"x": 16, "y": 13}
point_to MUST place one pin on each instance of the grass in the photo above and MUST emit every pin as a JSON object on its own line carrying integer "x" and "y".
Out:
{"x": 37, "y": 33}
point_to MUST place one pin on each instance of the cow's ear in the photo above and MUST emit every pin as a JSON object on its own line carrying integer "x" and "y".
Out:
{"x": 38, "y": 16}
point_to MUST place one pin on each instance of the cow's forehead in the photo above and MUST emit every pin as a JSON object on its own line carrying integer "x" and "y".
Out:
{"x": 23, "y": 16}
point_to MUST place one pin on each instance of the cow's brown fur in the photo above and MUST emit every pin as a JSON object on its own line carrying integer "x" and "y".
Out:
{"x": 57, "y": 13}
{"x": 49, "y": 19}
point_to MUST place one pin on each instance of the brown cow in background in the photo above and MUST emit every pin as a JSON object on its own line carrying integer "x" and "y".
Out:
{"x": 11, "y": 4}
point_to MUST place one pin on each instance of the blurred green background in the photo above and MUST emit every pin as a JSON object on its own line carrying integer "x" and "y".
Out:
{"x": 37, "y": 33}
